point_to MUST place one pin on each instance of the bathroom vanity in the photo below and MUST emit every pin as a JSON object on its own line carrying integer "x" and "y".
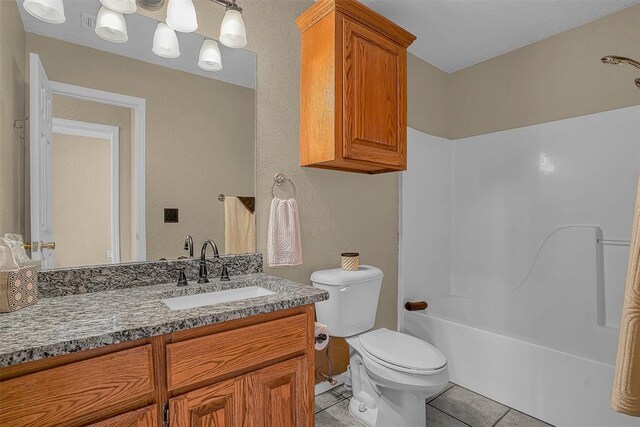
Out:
{"x": 124, "y": 357}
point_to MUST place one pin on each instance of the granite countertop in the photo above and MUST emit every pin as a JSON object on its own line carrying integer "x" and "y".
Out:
{"x": 66, "y": 324}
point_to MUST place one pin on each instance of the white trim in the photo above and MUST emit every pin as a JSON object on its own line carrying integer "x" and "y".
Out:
{"x": 139, "y": 107}
{"x": 110, "y": 133}
{"x": 324, "y": 386}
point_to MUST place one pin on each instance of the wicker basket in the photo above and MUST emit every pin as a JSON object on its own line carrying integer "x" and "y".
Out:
{"x": 18, "y": 288}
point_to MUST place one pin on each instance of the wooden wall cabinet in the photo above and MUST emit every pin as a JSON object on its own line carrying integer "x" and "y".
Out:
{"x": 252, "y": 372}
{"x": 353, "y": 89}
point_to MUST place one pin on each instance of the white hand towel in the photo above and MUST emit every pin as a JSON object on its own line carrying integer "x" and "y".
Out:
{"x": 284, "y": 247}
{"x": 7, "y": 262}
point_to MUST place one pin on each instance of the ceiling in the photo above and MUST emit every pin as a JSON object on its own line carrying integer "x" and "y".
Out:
{"x": 455, "y": 34}
{"x": 239, "y": 65}
{"x": 452, "y": 34}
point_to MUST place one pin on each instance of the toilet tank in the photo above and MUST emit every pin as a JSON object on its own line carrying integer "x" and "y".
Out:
{"x": 353, "y": 299}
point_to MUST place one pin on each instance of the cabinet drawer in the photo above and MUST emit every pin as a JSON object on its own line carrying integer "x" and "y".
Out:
{"x": 145, "y": 417}
{"x": 75, "y": 393}
{"x": 207, "y": 358}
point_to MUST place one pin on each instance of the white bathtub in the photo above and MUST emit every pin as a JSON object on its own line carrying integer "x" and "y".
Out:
{"x": 560, "y": 388}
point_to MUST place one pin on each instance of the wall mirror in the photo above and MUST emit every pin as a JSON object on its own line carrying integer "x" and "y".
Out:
{"x": 127, "y": 152}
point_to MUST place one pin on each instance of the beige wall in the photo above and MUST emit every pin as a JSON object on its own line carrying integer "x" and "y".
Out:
{"x": 68, "y": 108}
{"x": 428, "y": 99}
{"x": 556, "y": 78}
{"x": 12, "y": 63}
{"x": 200, "y": 137}
{"x": 81, "y": 202}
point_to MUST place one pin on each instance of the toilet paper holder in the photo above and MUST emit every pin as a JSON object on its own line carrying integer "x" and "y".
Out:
{"x": 321, "y": 337}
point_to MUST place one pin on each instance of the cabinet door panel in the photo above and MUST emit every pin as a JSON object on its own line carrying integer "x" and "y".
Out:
{"x": 210, "y": 357}
{"x": 279, "y": 396}
{"x": 374, "y": 78}
{"x": 145, "y": 417}
{"x": 218, "y": 405}
{"x": 78, "y": 392}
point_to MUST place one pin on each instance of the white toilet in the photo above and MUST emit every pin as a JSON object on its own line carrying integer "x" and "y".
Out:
{"x": 391, "y": 373}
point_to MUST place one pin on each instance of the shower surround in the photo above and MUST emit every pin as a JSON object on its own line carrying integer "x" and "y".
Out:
{"x": 512, "y": 238}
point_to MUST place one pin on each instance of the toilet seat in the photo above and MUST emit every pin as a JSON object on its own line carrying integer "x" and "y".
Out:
{"x": 402, "y": 352}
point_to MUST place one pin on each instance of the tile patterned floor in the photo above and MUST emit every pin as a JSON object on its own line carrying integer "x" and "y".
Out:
{"x": 453, "y": 407}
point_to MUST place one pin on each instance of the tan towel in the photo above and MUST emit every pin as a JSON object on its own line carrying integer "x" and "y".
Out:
{"x": 239, "y": 227}
{"x": 284, "y": 247}
{"x": 626, "y": 383}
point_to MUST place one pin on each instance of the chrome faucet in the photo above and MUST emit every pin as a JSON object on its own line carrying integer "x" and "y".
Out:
{"x": 188, "y": 245}
{"x": 203, "y": 261}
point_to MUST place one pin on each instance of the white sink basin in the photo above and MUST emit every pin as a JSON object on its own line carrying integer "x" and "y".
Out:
{"x": 210, "y": 298}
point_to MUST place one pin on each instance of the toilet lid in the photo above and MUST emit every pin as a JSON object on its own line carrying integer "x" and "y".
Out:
{"x": 402, "y": 350}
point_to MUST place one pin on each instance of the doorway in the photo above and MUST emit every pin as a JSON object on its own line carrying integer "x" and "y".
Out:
{"x": 61, "y": 114}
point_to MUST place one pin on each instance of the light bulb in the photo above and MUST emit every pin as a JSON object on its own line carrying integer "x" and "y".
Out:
{"x": 120, "y": 6}
{"x": 181, "y": 16}
{"x": 210, "y": 58}
{"x": 232, "y": 31}
{"x": 165, "y": 42}
{"x": 51, "y": 11}
{"x": 111, "y": 26}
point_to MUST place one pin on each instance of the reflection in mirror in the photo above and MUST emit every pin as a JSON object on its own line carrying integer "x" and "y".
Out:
{"x": 126, "y": 152}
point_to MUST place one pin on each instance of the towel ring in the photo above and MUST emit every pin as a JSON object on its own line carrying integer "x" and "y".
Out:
{"x": 279, "y": 179}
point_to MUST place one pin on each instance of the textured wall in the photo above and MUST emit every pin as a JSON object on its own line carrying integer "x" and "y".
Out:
{"x": 556, "y": 78}
{"x": 428, "y": 103}
{"x": 12, "y": 62}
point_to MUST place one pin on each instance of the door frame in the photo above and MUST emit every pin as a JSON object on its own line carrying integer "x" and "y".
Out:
{"x": 112, "y": 134}
{"x": 138, "y": 105}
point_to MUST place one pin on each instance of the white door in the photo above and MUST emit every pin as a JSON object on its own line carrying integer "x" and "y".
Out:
{"x": 41, "y": 139}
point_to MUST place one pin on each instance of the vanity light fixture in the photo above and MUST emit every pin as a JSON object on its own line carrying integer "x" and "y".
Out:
{"x": 120, "y": 6}
{"x": 111, "y": 26}
{"x": 210, "y": 58}
{"x": 51, "y": 11}
{"x": 165, "y": 42}
{"x": 181, "y": 16}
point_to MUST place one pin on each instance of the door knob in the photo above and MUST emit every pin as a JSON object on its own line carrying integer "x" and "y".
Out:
{"x": 50, "y": 245}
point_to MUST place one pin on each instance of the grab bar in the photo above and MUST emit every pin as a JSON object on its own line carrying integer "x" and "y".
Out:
{"x": 614, "y": 242}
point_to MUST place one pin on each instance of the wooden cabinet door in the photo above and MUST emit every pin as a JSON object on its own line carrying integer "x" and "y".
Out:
{"x": 374, "y": 92}
{"x": 80, "y": 392}
{"x": 280, "y": 395}
{"x": 218, "y": 405}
